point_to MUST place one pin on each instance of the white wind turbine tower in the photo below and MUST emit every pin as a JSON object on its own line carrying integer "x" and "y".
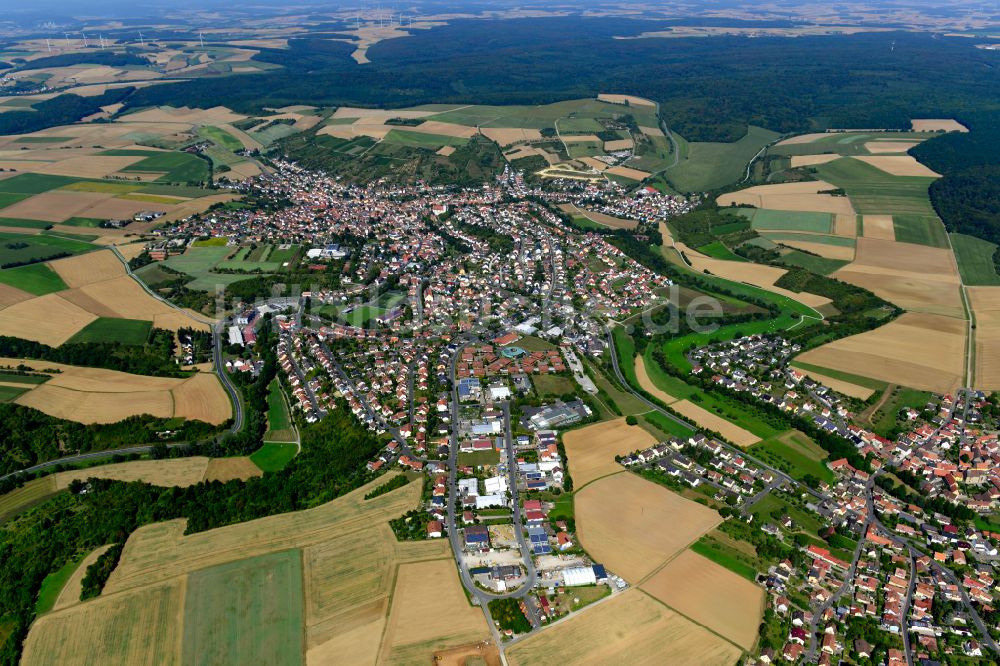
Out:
{"x": 141, "y": 43}
{"x": 48, "y": 45}
{"x": 100, "y": 36}
{"x": 201, "y": 38}
{"x": 85, "y": 44}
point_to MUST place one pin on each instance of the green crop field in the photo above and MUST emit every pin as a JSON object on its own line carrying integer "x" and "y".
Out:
{"x": 24, "y": 248}
{"x": 784, "y": 220}
{"x": 198, "y": 262}
{"x": 26, "y": 224}
{"x": 920, "y": 229}
{"x": 423, "y": 139}
{"x": 545, "y": 115}
{"x": 108, "y": 329}
{"x": 8, "y": 393}
{"x": 875, "y": 192}
{"x": 273, "y": 456}
{"x": 176, "y": 167}
{"x": 35, "y": 183}
{"x": 102, "y": 186}
{"x": 713, "y": 165}
{"x": 11, "y": 198}
{"x": 221, "y": 137}
{"x": 14, "y": 378}
{"x": 718, "y": 250}
{"x": 811, "y": 262}
{"x": 243, "y": 612}
{"x": 91, "y": 222}
{"x": 37, "y": 279}
{"x": 975, "y": 260}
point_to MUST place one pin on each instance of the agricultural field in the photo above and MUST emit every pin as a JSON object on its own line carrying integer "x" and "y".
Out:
{"x": 174, "y": 472}
{"x": 985, "y": 304}
{"x": 975, "y": 260}
{"x": 198, "y": 262}
{"x": 105, "y": 329}
{"x": 796, "y": 454}
{"x": 95, "y": 395}
{"x": 631, "y": 628}
{"x": 924, "y": 351}
{"x": 809, "y": 196}
{"x": 591, "y": 450}
{"x": 630, "y": 542}
{"x": 273, "y": 456}
{"x": 279, "y": 423}
{"x": 711, "y": 595}
{"x": 69, "y": 593}
{"x": 854, "y": 386}
{"x": 872, "y": 191}
{"x": 709, "y": 166}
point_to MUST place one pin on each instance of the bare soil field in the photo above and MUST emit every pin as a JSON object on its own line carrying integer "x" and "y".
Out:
{"x": 70, "y": 594}
{"x": 169, "y": 115}
{"x": 898, "y": 165}
{"x": 938, "y": 125}
{"x": 54, "y": 206}
{"x": 594, "y": 163}
{"x": 707, "y": 419}
{"x": 201, "y": 397}
{"x": 633, "y": 526}
{"x": 918, "y": 278}
{"x": 11, "y": 295}
{"x": 506, "y": 136}
{"x": 91, "y": 166}
{"x": 482, "y": 653}
{"x": 627, "y": 172}
{"x": 810, "y": 160}
{"x": 646, "y": 383}
{"x": 229, "y": 469}
{"x": 429, "y": 590}
{"x": 758, "y": 275}
{"x": 48, "y": 319}
{"x": 140, "y": 627}
{"x": 881, "y": 147}
{"x": 839, "y": 385}
{"x": 87, "y": 268}
{"x": 651, "y": 131}
{"x": 629, "y": 628}
{"x": 625, "y": 99}
{"x": 173, "y": 472}
{"x": 922, "y": 351}
{"x": 985, "y": 302}
{"x": 802, "y": 138}
{"x": 619, "y": 144}
{"x": 591, "y": 450}
{"x": 879, "y": 226}
{"x": 791, "y": 196}
{"x": 711, "y": 595}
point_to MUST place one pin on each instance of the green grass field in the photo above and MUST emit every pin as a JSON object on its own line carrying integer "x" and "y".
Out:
{"x": 718, "y": 250}
{"x": 37, "y": 279}
{"x": 784, "y": 220}
{"x": 423, "y": 139}
{"x": 30, "y": 380}
{"x": 9, "y": 393}
{"x": 875, "y": 192}
{"x": 886, "y": 416}
{"x": 730, "y": 558}
{"x": 107, "y": 329}
{"x": 248, "y": 611}
{"x": 23, "y": 248}
{"x": 26, "y": 224}
{"x": 839, "y": 241}
{"x": 811, "y": 262}
{"x": 713, "y": 165}
{"x": 53, "y": 585}
{"x": 198, "y": 262}
{"x": 795, "y": 453}
{"x": 975, "y": 260}
{"x": 279, "y": 423}
{"x": 177, "y": 167}
{"x": 273, "y": 456}
{"x": 90, "y": 222}
{"x": 545, "y": 115}
{"x": 867, "y": 382}
{"x": 221, "y": 137}
{"x": 553, "y": 385}
{"x": 220, "y": 241}
{"x": 920, "y": 229}
{"x": 477, "y": 458}
{"x": 666, "y": 425}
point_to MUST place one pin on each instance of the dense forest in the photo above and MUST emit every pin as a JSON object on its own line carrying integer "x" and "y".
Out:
{"x": 967, "y": 198}
{"x": 332, "y": 462}
{"x": 708, "y": 89}
{"x": 95, "y": 57}
{"x": 61, "y": 110}
{"x": 155, "y": 358}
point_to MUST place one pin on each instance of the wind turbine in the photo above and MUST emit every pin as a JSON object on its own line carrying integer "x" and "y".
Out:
{"x": 66, "y": 34}
{"x": 48, "y": 45}
{"x": 141, "y": 43}
{"x": 101, "y": 37}
{"x": 85, "y": 44}
{"x": 201, "y": 38}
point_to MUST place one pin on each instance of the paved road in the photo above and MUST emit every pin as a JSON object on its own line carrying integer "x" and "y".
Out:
{"x": 220, "y": 370}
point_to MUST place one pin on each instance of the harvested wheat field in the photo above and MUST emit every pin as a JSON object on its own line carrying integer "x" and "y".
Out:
{"x": 580, "y": 138}
{"x": 445, "y": 151}
{"x": 618, "y": 144}
{"x": 802, "y": 138}
{"x": 11, "y": 295}
{"x": 231, "y": 469}
{"x": 651, "y": 131}
{"x": 53, "y": 206}
{"x": 86, "y": 407}
{"x": 803, "y": 196}
{"x": 89, "y": 166}
{"x": 88, "y": 268}
{"x": 625, "y": 99}
{"x": 839, "y": 385}
{"x": 758, "y": 275}
{"x": 123, "y": 297}
{"x": 810, "y": 160}
{"x": 202, "y": 398}
{"x": 922, "y": 351}
{"x": 141, "y": 628}
{"x": 179, "y": 472}
{"x": 506, "y": 136}
{"x": 845, "y": 225}
{"x": 633, "y": 525}
{"x": 882, "y": 147}
{"x": 646, "y": 383}
{"x": 839, "y": 252}
{"x": 938, "y": 125}
{"x": 629, "y": 628}
{"x": 429, "y": 590}
{"x": 898, "y": 165}
{"x": 710, "y": 421}
{"x": 47, "y": 319}
{"x": 627, "y": 172}
{"x": 985, "y": 302}
{"x": 711, "y": 595}
{"x": 879, "y": 226}
{"x": 217, "y": 115}
{"x": 70, "y": 593}
{"x": 595, "y": 164}
{"x": 917, "y": 278}
{"x": 591, "y": 451}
